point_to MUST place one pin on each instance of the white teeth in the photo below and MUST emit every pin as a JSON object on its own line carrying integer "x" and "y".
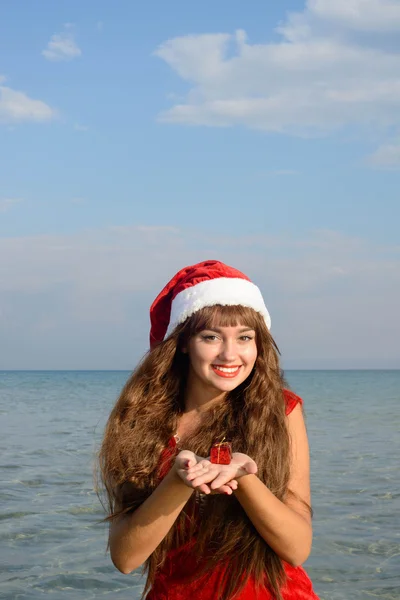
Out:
{"x": 226, "y": 369}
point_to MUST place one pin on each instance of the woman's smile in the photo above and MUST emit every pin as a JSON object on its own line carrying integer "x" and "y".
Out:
{"x": 225, "y": 371}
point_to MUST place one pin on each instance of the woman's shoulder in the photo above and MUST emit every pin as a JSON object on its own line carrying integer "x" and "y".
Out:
{"x": 292, "y": 400}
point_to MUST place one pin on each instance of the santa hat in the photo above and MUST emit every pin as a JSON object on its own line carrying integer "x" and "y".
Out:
{"x": 193, "y": 288}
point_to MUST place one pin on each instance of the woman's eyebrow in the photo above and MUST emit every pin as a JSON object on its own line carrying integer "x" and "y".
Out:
{"x": 218, "y": 330}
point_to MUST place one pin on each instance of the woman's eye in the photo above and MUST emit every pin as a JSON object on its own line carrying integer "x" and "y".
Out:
{"x": 209, "y": 338}
{"x": 246, "y": 338}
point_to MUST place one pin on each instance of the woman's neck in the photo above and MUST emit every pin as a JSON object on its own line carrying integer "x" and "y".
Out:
{"x": 199, "y": 398}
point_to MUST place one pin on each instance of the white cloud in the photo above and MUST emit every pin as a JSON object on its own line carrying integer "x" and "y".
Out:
{"x": 339, "y": 18}
{"x": 7, "y": 203}
{"x": 363, "y": 15}
{"x": 16, "y": 107}
{"x": 386, "y": 156}
{"x": 319, "y": 77}
{"x": 62, "y": 46}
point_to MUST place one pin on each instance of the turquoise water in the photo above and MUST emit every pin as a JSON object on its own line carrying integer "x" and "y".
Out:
{"x": 53, "y": 547}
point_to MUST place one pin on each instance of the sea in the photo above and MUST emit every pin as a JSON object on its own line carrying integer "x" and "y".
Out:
{"x": 53, "y": 543}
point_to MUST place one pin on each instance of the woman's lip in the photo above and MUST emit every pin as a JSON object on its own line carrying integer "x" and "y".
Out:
{"x": 218, "y": 370}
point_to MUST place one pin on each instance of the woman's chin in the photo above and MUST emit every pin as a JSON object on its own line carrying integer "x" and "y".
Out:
{"x": 226, "y": 385}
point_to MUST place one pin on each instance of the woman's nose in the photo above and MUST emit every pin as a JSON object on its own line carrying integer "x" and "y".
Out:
{"x": 228, "y": 352}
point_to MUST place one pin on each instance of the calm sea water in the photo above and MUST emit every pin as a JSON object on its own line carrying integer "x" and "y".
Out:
{"x": 53, "y": 547}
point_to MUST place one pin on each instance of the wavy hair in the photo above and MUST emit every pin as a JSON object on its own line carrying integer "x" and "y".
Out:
{"x": 252, "y": 417}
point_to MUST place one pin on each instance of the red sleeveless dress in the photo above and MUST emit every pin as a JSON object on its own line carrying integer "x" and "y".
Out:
{"x": 170, "y": 583}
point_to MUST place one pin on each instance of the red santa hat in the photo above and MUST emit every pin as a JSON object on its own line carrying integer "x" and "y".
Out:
{"x": 206, "y": 284}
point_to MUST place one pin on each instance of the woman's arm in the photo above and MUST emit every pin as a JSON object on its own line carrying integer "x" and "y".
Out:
{"x": 285, "y": 526}
{"x": 134, "y": 536}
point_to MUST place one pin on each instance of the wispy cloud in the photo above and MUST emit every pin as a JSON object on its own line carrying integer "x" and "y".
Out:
{"x": 79, "y": 127}
{"x": 7, "y": 203}
{"x": 62, "y": 46}
{"x": 386, "y": 156}
{"x": 321, "y": 76}
{"x": 16, "y": 107}
{"x": 380, "y": 16}
{"x": 322, "y": 289}
{"x": 331, "y": 296}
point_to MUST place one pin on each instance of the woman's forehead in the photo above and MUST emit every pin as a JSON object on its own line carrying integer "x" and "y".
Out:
{"x": 223, "y": 316}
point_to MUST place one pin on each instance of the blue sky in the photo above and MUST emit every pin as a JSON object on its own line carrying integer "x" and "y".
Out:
{"x": 137, "y": 138}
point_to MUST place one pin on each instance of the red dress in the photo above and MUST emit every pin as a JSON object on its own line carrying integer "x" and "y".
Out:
{"x": 169, "y": 584}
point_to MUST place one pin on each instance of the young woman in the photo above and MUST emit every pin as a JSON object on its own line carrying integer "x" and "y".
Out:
{"x": 204, "y": 530}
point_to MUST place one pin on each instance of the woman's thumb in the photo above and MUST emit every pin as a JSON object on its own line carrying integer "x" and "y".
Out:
{"x": 186, "y": 460}
{"x": 251, "y": 467}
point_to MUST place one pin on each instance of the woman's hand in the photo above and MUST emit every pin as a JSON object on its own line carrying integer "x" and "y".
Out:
{"x": 218, "y": 476}
{"x": 186, "y": 460}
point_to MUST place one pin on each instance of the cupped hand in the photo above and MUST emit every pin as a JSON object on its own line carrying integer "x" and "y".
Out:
{"x": 186, "y": 460}
{"x": 217, "y": 476}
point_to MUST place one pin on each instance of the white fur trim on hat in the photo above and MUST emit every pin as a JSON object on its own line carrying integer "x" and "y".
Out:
{"x": 227, "y": 291}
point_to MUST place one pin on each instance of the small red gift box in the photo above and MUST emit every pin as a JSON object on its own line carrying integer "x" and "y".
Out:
{"x": 221, "y": 453}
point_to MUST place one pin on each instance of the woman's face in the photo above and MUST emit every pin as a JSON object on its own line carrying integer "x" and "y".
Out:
{"x": 222, "y": 357}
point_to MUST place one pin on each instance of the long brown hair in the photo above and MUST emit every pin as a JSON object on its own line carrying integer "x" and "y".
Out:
{"x": 252, "y": 417}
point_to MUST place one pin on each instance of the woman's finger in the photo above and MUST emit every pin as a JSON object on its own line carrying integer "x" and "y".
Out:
{"x": 185, "y": 459}
{"x": 250, "y": 467}
{"x": 220, "y": 480}
{"x": 200, "y": 466}
{"x": 207, "y": 470}
{"x": 195, "y": 470}
{"x": 185, "y": 463}
{"x": 205, "y": 477}
{"x": 233, "y": 484}
{"x": 225, "y": 489}
{"x": 200, "y": 485}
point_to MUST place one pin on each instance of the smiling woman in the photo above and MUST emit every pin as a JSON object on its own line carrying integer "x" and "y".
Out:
{"x": 204, "y": 529}
{"x": 219, "y": 354}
